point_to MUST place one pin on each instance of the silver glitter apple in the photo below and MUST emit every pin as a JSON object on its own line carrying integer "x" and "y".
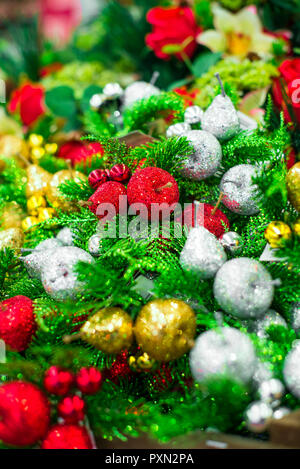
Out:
{"x": 66, "y": 236}
{"x": 258, "y": 416}
{"x": 136, "y": 91}
{"x": 291, "y": 370}
{"x": 231, "y": 242}
{"x": 178, "y": 130}
{"x": 270, "y": 318}
{"x": 193, "y": 114}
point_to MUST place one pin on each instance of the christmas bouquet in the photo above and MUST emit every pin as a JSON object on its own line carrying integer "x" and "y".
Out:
{"x": 150, "y": 230}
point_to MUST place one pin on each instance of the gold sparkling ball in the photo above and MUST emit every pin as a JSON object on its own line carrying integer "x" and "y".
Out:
{"x": 45, "y": 213}
{"x": 109, "y": 330}
{"x": 53, "y": 194}
{"x": 35, "y": 140}
{"x": 11, "y": 238}
{"x": 12, "y": 145}
{"x": 29, "y": 222}
{"x": 11, "y": 215}
{"x": 165, "y": 329}
{"x": 34, "y": 202}
{"x": 141, "y": 362}
{"x": 277, "y": 232}
{"x": 51, "y": 148}
{"x": 293, "y": 185}
{"x": 296, "y": 227}
{"x": 38, "y": 180}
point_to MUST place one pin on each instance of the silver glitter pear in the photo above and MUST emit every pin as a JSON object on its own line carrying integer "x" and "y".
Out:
{"x": 281, "y": 412}
{"x": 193, "y": 114}
{"x": 50, "y": 243}
{"x": 231, "y": 242}
{"x": 271, "y": 391}
{"x": 244, "y": 288}
{"x": 66, "y": 236}
{"x": 113, "y": 90}
{"x": 270, "y": 318}
{"x": 238, "y": 189}
{"x": 58, "y": 276}
{"x": 223, "y": 352}
{"x": 206, "y": 159}
{"x": 291, "y": 370}
{"x": 178, "y": 130}
{"x": 138, "y": 90}
{"x": 94, "y": 245}
{"x": 221, "y": 118}
{"x": 257, "y": 416}
{"x": 202, "y": 253}
{"x": 295, "y": 316}
{"x": 35, "y": 261}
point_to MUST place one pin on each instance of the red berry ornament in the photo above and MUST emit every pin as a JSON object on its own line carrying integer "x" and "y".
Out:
{"x": 120, "y": 173}
{"x": 107, "y": 193}
{"x": 24, "y": 413}
{"x": 98, "y": 177}
{"x": 152, "y": 186}
{"x": 89, "y": 380}
{"x": 17, "y": 322}
{"x": 71, "y": 409}
{"x": 214, "y": 220}
{"x": 58, "y": 381}
{"x": 67, "y": 436}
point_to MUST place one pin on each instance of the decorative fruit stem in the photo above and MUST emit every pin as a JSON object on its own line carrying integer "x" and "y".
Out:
{"x": 159, "y": 189}
{"x": 154, "y": 77}
{"x": 218, "y": 203}
{"x": 221, "y": 84}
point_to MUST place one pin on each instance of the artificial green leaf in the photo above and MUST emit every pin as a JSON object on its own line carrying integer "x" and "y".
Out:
{"x": 61, "y": 101}
{"x": 204, "y": 62}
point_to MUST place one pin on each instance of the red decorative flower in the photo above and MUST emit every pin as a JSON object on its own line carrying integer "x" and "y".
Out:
{"x": 172, "y": 26}
{"x": 290, "y": 80}
{"x": 77, "y": 151}
{"x": 28, "y": 100}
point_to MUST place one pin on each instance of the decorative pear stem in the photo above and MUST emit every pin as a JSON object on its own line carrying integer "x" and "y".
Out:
{"x": 85, "y": 203}
{"x": 67, "y": 339}
{"x": 25, "y": 160}
{"x": 221, "y": 84}
{"x": 154, "y": 77}
{"x": 218, "y": 203}
{"x": 159, "y": 189}
{"x": 69, "y": 163}
{"x": 276, "y": 283}
{"x": 219, "y": 318}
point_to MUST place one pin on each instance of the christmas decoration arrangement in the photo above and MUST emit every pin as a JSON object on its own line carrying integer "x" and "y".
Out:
{"x": 149, "y": 224}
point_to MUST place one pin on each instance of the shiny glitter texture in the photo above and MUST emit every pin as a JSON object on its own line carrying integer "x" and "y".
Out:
{"x": 109, "y": 330}
{"x": 38, "y": 180}
{"x": 258, "y": 416}
{"x": 179, "y": 129}
{"x": 238, "y": 189}
{"x": 58, "y": 276}
{"x": 94, "y": 245}
{"x": 206, "y": 159}
{"x": 243, "y": 287}
{"x": 119, "y": 368}
{"x": 193, "y": 114}
{"x": 53, "y": 193}
{"x": 89, "y": 380}
{"x": 271, "y": 318}
{"x": 213, "y": 220}
{"x": 293, "y": 185}
{"x": 295, "y": 316}
{"x": 97, "y": 177}
{"x": 58, "y": 381}
{"x": 277, "y": 233}
{"x": 150, "y": 186}
{"x": 231, "y": 242}
{"x": 119, "y": 173}
{"x": 17, "y": 322}
{"x": 221, "y": 118}
{"x": 223, "y": 352}
{"x": 107, "y": 193}
{"x": 71, "y": 409}
{"x": 165, "y": 328}
{"x": 66, "y": 236}
{"x": 24, "y": 413}
{"x": 12, "y": 238}
{"x": 202, "y": 253}
{"x": 291, "y": 370}
{"x": 67, "y": 436}
{"x": 136, "y": 91}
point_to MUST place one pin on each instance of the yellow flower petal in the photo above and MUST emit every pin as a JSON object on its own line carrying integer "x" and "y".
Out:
{"x": 212, "y": 39}
{"x": 248, "y": 22}
{"x": 224, "y": 21}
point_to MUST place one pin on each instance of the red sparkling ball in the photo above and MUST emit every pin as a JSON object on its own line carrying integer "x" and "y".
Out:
{"x": 17, "y": 322}
{"x": 216, "y": 223}
{"x": 97, "y": 177}
{"x": 71, "y": 409}
{"x": 67, "y": 436}
{"x": 58, "y": 381}
{"x": 152, "y": 186}
{"x": 89, "y": 380}
{"x": 24, "y": 413}
{"x": 77, "y": 151}
{"x": 107, "y": 193}
{"x": 120, "y": 173}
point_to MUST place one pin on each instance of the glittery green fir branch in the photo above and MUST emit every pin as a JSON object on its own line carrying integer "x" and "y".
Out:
{"x": 96, "y": 125}
{"x": 73, "y": 190}
{"x": 12, "y": 182}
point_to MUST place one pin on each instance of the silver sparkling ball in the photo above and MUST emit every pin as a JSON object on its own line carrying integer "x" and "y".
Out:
{"x": 291, "y": 370}
{"x": 231, "y": 242}
{"x": 138, "y": 90}
{"x": 113, "y": 90}
{"x": 262, "y": 373}
{"x": 223, "y": 352}
{"x": 270, "y": 318}
{"x": 66, "y": 236}
{"x": 94, "y": 245}
{"x": 178, "y": 130}
{"x": 58, "y": 276}
{"x": 221, "y": 118}
{"x": 281, "y": 412}
{"x": 258, "y": 415}
{"x": 238, "y": 189}
{"x": 244, "y": 288}
{"x": 50, "y": 243}
{"x": 97, "y": 100}
{"x": 295, "y": 316}
{"x": 202, "y": 253}
{"x": 35, "y": 261}
{"x": 206, "y": 159}
{"x": 271, "y": 391}
{"x": 193, "y": 114}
